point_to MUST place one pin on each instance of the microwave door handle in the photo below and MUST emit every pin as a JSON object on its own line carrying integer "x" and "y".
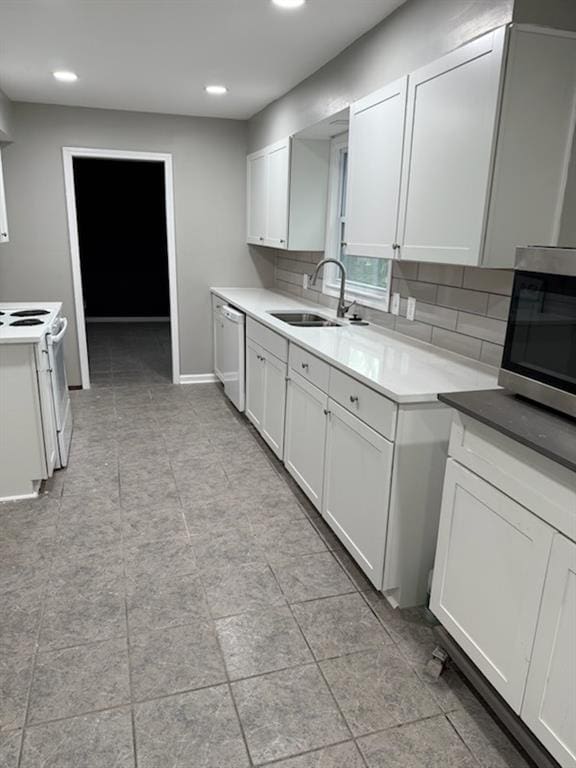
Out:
{"x": 61, "y": 332}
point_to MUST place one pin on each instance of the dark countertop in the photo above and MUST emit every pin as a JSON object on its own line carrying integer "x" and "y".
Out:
{"x": 541, "y": 429}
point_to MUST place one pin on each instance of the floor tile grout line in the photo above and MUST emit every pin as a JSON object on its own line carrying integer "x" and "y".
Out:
{"x": 336, "y": 703}
{"x": 314, "y": 751}
{"x": 461, "y": 738}
{"x": 228, "y": 681}
{"x": 127, "y": 620}
{"x": 36, "y": 651}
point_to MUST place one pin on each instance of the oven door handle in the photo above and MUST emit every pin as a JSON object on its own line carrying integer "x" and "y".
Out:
{"x": 55, "y": 339}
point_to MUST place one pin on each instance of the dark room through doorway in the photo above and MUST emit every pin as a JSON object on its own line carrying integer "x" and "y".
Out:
{"x": 122, "y": 238}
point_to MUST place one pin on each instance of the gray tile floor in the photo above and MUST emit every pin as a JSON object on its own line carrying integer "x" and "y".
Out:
{"x": 172, "y": 601}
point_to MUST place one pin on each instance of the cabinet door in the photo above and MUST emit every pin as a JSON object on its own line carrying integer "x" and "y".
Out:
{"x": 254, "y": 383}
{"x": 550, "y": 703}
{"x": 375, "y": 158}
{"x": 305, "y": 436}
{"x": 278, "y": 184}
{"x": 448, "y": 152}
{"x": 490, "y": 566}
{"x": 3, "y": 215}
{"x": 257, "y": 197}
{"x": 357, "y": 489}
{"x": 274, "y": 406}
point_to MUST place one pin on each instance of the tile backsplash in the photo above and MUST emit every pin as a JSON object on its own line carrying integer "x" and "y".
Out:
{"x": 463, "y": 309}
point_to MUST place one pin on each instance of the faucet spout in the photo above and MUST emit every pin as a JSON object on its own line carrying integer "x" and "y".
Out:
{"x": 342, "y": 308}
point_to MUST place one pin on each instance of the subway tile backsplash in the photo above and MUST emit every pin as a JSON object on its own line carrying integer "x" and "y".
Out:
{"x": 462, "y": 309}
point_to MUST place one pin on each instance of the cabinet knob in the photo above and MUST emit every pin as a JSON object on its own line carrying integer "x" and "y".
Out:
{"x": 282, "y": 241}
{"x": 4, "y": 234}
{"x": 395, "y": 246}
{"x": 354, "y": 399}
{"x": 326, "y": 412}
{"x": 305, "y": 366}
{"x": 260, "y": 238}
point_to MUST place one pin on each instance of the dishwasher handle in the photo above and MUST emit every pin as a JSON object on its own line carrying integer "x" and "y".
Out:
{"x": 232, "y": 314}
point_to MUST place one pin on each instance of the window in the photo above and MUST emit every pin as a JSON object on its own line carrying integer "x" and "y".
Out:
{"x": 368, "y": 279}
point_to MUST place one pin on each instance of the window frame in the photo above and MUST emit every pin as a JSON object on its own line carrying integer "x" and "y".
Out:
{"x": 376, "y": 298}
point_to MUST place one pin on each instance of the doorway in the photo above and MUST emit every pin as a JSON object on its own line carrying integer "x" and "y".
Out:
{"x": 121, "y": 226}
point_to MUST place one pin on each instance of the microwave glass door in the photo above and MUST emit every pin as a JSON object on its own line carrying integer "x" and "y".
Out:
{"x": 541, "y": 335}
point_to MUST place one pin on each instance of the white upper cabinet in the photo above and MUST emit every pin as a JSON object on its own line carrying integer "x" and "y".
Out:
{"x": 3, "y": 216}
{"x": 278, "y": 183}
{"x": 450, "y": 128}
{"x": 549, "y": 707}
{"x": 257, "y": 196}
{"x": 485, "y": 161}
{"x": 375, "y": 162}
{"x": 534, "y": 163}
{"x": 287, "y": 194}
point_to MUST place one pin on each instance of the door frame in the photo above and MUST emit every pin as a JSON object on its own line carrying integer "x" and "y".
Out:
{"x": 68, "y": 154}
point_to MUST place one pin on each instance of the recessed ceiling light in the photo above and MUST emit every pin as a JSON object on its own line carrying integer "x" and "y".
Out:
{"x": 289, "y": 3}
{"x": 216, "y": 90}
{"x": 65, "y": 77}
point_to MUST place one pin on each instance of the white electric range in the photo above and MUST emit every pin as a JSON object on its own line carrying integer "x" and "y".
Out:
{"x": 35, "y": 409}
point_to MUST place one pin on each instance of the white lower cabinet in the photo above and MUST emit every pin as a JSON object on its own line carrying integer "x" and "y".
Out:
{"x": 306, "y": 410}
{"x": 254, "y": 384}
{"x": 357, "y": 488}
{"x": 274, "y": 410}
{"x": 266, "y": 395}
{"x": 549, "y": 707}
{"x": 491, "y": 563}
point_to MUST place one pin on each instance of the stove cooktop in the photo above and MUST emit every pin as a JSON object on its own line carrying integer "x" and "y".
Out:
{"x": 29, "y": 313}
{"x": 27, "y": 321}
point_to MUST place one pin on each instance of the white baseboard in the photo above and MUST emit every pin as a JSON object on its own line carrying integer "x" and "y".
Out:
{"x": 128, "y": 319}
{"x": 198, "y": 378}
{"x": 20, "y": 497}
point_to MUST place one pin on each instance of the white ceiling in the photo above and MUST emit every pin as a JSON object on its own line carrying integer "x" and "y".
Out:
{"x": 157, "y": 55}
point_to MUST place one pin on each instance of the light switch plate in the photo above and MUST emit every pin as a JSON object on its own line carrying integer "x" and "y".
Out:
{"x": 395, "y": 306}
{"x": 305, "y": 279}
{"x": 411, "y": 308}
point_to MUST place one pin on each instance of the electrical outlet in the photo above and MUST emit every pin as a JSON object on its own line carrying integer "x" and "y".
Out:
{"x": 395, "y": 306}
{"x": 411, "y": 308}
{"x": 305, "y": 279}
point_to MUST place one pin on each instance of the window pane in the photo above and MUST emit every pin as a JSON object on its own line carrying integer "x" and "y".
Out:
{"x": 366, "y": 271}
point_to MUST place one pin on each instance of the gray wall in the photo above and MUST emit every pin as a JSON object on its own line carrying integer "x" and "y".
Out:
{"x": 209, "y": 187}
{"x": 415, "y": 34}
{"x": 5, "y": 117}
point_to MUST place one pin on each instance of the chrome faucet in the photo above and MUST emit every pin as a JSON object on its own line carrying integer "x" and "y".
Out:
{"x": 342, "y": 306}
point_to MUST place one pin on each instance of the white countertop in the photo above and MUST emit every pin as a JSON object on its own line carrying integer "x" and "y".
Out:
{"x": 403, "y": 369}
{"x": 27, "y": 334}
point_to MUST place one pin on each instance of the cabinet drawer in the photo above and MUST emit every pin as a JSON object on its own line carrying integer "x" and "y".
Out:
{"x": 376, "y": 410}
{"x": 309, "y": 367}
{"x": 540, "y": 484}
{"x": 269, "y": 340}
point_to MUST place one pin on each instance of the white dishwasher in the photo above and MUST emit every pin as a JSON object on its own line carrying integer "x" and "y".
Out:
{"x": 232, "y": 354}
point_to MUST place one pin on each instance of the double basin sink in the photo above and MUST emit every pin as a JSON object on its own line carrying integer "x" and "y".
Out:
{"x": 305, "y": 320}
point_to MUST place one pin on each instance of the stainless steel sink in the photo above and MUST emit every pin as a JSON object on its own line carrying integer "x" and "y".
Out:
{"x": 304, "y": 319}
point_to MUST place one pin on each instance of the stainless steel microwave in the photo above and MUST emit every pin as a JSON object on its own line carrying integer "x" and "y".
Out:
{"x": 539, "y": 360}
